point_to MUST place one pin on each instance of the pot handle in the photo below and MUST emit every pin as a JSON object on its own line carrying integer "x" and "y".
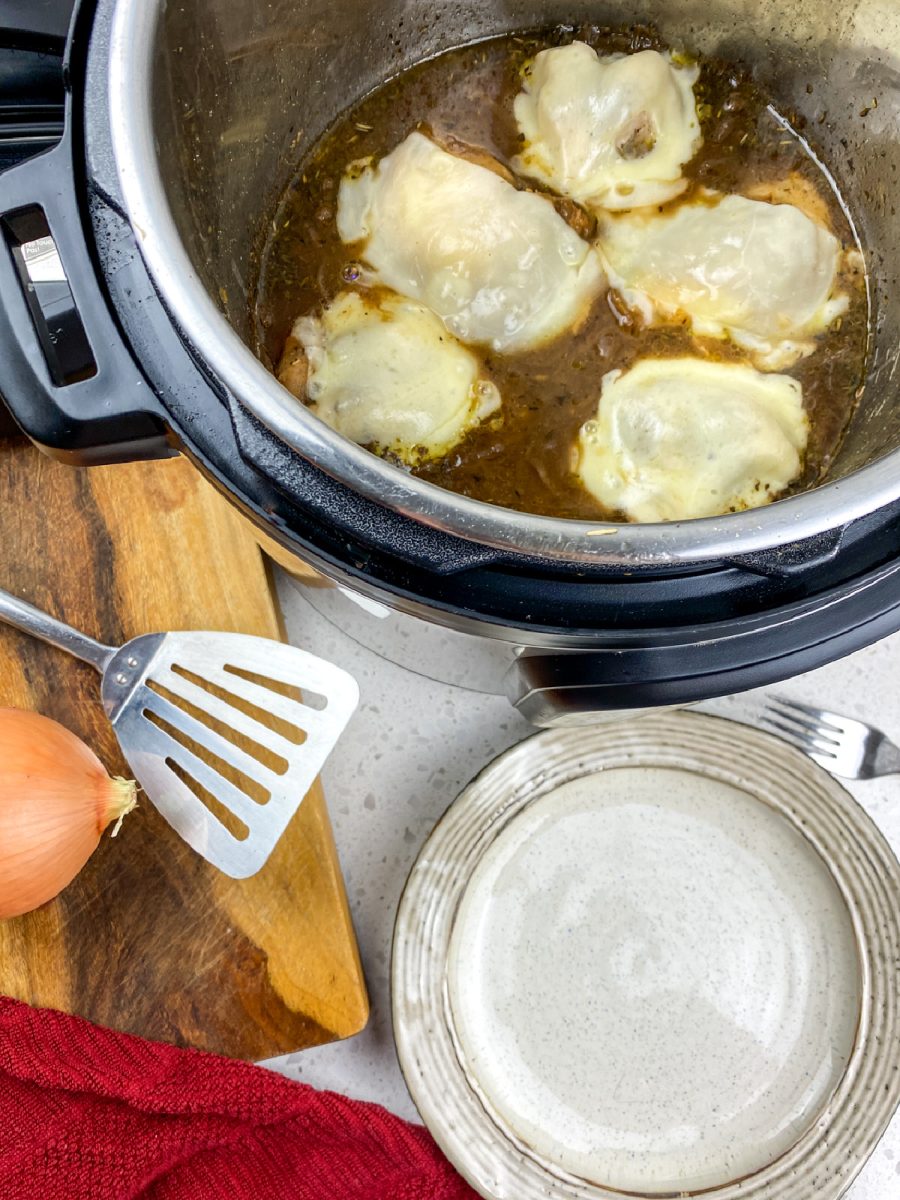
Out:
{"x": 66, "y": 375}
{"x": 571, "y": 688}
{"x": 567, "y": 688}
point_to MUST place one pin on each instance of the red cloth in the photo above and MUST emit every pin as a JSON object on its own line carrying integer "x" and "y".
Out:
{"x": 86, "y": 1114}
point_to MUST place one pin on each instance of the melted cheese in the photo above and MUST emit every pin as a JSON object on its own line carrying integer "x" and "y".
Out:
{"x": 388, "y": 375}
{"x": 499, "y": 266}
{"x": 611, "y": 132}
{"x": 681, "y": 438}
{"x": 764, "y": 275}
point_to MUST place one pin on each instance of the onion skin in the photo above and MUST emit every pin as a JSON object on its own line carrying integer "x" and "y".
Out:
{"x": 56, "y": 799}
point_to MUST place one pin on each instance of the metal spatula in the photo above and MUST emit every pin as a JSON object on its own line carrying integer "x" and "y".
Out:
{"x": 224, "y": 732}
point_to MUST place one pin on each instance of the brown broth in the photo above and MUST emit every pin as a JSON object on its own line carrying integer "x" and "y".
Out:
{"x": 522, "y": 459}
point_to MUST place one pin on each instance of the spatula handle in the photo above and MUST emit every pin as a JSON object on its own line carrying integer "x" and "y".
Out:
{"x": 31, "y": 620}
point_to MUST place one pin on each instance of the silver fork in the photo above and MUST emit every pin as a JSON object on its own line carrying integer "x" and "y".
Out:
{"x": 841, "y": 745}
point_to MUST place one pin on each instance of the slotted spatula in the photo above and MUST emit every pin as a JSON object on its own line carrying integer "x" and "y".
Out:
{"x": 224, "y": 732}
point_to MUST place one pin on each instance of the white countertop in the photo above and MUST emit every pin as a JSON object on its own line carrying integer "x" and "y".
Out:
{"x": 412, "y": 747}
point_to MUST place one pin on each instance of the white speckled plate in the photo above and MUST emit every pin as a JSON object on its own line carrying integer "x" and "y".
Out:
{"x": 653, "y": 959}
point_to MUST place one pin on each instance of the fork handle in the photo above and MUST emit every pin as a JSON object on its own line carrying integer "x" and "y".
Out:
{"x": 31, "y": 620}
{"x": 887, "y": 759}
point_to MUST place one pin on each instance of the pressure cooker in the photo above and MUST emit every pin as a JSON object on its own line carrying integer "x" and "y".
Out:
{"x": 184, "y": 122}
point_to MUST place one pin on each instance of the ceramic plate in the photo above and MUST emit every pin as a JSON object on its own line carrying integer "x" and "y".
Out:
{"x": 655, "y": 959}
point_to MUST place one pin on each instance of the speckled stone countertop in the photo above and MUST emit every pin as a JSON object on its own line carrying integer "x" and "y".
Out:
{"x": 409, "y": 751}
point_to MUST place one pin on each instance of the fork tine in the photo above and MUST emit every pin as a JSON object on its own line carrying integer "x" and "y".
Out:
{"x": 814, "y": 716}
{"x": 801, "y": 739}
{"x": 807, "y": 725}
{"x": 826, "y": 761}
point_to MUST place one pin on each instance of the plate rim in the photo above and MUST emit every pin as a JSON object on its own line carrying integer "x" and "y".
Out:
{"x": 828, "y": 1156}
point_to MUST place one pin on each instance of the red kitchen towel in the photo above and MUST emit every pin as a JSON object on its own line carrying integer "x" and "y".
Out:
{"x": 86, "y": 1114}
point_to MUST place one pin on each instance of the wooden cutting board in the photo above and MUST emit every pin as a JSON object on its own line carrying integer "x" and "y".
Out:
{"x": 149, "y": 938}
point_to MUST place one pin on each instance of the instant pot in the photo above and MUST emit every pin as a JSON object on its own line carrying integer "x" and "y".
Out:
{"x": 184, "y": 122}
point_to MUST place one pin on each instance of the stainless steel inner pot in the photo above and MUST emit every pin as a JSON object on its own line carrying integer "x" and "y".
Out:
{"x": 215, "y": 102}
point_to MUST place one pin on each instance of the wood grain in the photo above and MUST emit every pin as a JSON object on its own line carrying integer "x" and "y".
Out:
{"x": 149, "y": 938}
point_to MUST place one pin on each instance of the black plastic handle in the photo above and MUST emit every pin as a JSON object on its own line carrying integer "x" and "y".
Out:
{"x": 340, "y": 507}
{"x": 108, "y": 413}
{"x": 36, "y": 24}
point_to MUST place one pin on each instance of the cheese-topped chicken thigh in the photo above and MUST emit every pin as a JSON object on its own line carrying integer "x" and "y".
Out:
{"x": 499, "y": 266}
{"x": 681, "y": 438}
{"x": 387, "y": 374}
{"x": 612, "y": 132}
{"x": 764, "y": 275}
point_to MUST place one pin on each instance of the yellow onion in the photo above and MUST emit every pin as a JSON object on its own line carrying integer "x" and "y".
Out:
{"x": 55, "y": 802}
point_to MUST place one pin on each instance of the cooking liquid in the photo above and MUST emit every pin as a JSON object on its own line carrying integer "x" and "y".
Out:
{"x": 523, "y": 459}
